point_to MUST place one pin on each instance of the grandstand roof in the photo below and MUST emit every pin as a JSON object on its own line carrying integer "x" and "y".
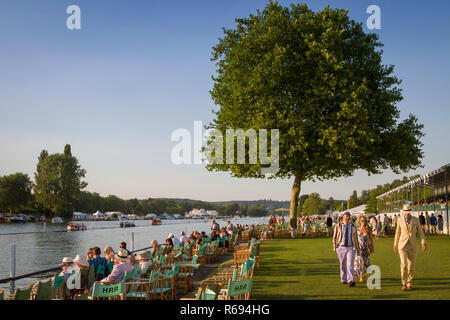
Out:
{"x": 434, "y": 178}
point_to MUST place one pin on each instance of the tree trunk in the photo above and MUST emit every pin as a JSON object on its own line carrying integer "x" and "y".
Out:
{"x": 294, "y": 196}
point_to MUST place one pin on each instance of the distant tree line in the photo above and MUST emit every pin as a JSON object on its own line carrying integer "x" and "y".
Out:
{"x": 57, "y": 190}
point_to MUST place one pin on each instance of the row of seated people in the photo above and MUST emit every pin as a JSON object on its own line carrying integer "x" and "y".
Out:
{"x": 79, "y": 274}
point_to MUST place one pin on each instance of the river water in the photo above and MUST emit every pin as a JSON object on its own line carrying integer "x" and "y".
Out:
{"x": 40, "y": 251}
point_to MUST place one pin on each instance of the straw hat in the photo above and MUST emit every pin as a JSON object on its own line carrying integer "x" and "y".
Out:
{"x": 67, "y": 260}
{"x": 122, "y": 255}
{"x": 81, "y": 260}
{"x": 406, "y": 208}
{"x": 171, "y": 235}
{"x": 145, "y": 255}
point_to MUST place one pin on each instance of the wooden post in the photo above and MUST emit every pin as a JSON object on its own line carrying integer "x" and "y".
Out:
{"x": 132, "y": 241}
{"x": 12, "y": 273}
{"x": 45, "y": 226}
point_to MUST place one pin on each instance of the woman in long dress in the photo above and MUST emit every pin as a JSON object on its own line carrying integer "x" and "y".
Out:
{"x": 365, "y": 243}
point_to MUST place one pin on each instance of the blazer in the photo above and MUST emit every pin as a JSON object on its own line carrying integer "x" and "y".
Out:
{"x": 405, "y": 232}
{"x": 337, "y": 236}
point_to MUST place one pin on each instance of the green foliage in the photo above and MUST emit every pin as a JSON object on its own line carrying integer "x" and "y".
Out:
{"x": 313, "y": 205}
{"x": 58, "y": 182}
{"x": 15, "y": 191}
{"x": 353, "y": 200}
{"x": 319, "y": 79}
{"x": 257, "y": 211}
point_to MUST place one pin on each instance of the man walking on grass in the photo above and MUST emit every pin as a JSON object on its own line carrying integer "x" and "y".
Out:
{"x": 405, "y": 244}
{"x": 345, "y": 239}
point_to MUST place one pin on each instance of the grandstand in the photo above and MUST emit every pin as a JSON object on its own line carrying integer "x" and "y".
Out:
{"x": 429, "y": 192}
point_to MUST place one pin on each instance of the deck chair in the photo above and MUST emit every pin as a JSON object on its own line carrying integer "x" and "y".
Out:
{"x": 107, "y": 291}
{"x": 2, "y": 295}
{"x": 43, "y": 291}
{"x": 206, "y": 293}
{"x": 58, "y": 288}
{"x": 145, "y": 290}
{"x": 90, "y": 277}
{"x": 201, "y": 254}
{"x": 166, "y": 286}
{"x": 237, "y": 290}
{"x": 185, "y": 277}
{"x": 21, "y": 294}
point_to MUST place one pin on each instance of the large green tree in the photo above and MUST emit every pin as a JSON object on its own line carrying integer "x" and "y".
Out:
{"x": 318, "y": 78}
{"x": 58, "y": 182}
{"x": 15, "y": 191}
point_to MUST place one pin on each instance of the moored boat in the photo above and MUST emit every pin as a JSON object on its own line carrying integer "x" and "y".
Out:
{"x": 57, "y": 220}
{"x": 76, "y": 227}
{"x": 156, "y": 222}
{"x": 126, "y": 224}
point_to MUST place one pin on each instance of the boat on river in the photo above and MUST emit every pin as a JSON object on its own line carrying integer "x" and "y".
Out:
{"x": 156, "y": 222}
{"x": 76, "y": 227}
{"x": 57, "y": 220}
{"x": 126, "y": 224}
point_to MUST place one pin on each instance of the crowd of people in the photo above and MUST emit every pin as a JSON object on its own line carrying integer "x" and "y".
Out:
{"x": 112, "y": 266}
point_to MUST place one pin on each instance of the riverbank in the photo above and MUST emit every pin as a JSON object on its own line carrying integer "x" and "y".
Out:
{"x": 309, "y": 269}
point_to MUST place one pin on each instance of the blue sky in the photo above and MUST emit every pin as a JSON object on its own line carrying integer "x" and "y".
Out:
{"x": 137, "y": 70}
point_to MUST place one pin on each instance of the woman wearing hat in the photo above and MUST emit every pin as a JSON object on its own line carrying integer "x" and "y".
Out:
{"x": 145, "y": 261}
{"x": 122, "y": 265}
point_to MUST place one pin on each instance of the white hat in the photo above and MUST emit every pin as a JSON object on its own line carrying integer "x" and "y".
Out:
{"x": 67, "y": 260}
{"x": 122, "y": 254}
{"x": 406, "y": 208}
{"x": 81, "y": 260}
{"x": 171, "y": 235}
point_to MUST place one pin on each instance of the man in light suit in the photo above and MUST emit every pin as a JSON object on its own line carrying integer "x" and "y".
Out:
{"x": 405, "y": 244}
{"x": 345, "y": 239}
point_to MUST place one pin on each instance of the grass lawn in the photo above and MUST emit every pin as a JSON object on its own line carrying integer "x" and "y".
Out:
{"x": 309, "y": 269}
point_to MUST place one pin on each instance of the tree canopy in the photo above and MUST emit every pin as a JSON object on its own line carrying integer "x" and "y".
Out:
{"x": 58, "y": 182}
{"x": 318, "y": 78}
{"x": 15, "y": 191}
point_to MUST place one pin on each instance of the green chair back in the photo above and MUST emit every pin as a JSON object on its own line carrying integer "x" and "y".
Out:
{"x": 208, "y": 294}
{"x": 235, "y": 274}
{"x": 161, "y": 250}
{"x": 91, "y": 276}
{"x": 176, "y": 268}
{"x": 236, "y": 288}
{"x": 58, "y": 281}
{"x": 201, "y": 250}
{"x": 194, "y": 259}
{"x": 44, "y": 290}
{"x": 127, "y": 276}
{"x": 101, "y": 290}
{"x": 162, "y": 259}
{"x": 168, "y": 274}
{"x": 154, "y": 276}
{"x": 136, "y": 272}
{"x": 101, "y": 270}
{"x": 22, "y": 294}
{"x": 110, "y": 266}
